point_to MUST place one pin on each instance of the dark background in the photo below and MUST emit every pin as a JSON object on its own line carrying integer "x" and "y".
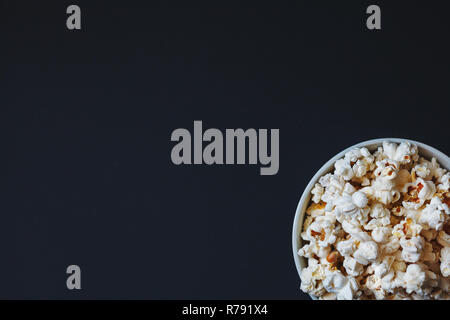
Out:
{"x": 86, "y": 117}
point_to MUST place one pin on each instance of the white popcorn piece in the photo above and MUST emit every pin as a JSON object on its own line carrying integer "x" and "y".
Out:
{"x": 349, "y": 208}
{"x": 322, "y": 231}
{"x": 435, "y": 214}
{"x": 367, "y": 252}
{"x": 383, "y": 191}
{"x": 444, "y": 182}
{"x": 407, "y": 228}
{"x": 374, "y": 285}
{"x": 428, "y": 190}
{"x": 418, "y": 192}
{"x": 346, "y": 247}
{"x": 429, "y": 169}
{"x": 404, "y": 153}
{"x": 344, "y": 169}
{"x": 311, "y": 279}
{"x": 313, "y": 250}
{"x": 355, "y": 231}
{"x": 381, "y": 234}
{"x": 317, "y": 192}
{"x": 413, "y": 205}
{"x": 360, "y": 168}
{"x": 359, "y": 199}
{"x": 383, "y": 267}
{"x": 360, "y": 161}
{"x": 316, "y": 209}
{"x": 423, "y": 169}
{"x": 445, "y": 261}
{"x": 344, "y": 287}
{"x": 389, "y": 282}
{"x": 349, "y": 189}
{"x": 325, "y": 181}
{"x": 386, "y": 169}
{"x": 412, "y": 248}
{"x": 352, "y": 267}
{"x": 413, "y": 278}
{"x": 381, "y": 217}
{"x": 333, "y": 185}
{"x": 354, "y": 154}
{"x": 391, "y": 246}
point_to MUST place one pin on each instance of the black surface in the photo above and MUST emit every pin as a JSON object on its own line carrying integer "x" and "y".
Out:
{"x": 86, "y": 118}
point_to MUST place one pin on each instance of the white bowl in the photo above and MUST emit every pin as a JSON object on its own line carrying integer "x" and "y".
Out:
{"x": 424, "y": 151}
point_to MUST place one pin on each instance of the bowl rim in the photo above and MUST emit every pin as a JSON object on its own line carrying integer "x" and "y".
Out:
{"x": 325, "y": 168}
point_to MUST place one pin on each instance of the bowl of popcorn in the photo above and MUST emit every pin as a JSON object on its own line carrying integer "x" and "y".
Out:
{"x": 374, "y": 223}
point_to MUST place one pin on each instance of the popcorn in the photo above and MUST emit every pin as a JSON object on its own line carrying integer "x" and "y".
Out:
{"x": 313, "y": 250}
{"x": 422, "y": 189}
{"x": 352, "y": 267}
{"x": 311, "y": 279}
{"x": 386, "y": 169}
{"x": 356, "y": 163}
{"x": 413, "y": 278}
{"x": 344, "y": 169}
{"x": 382, "y": 190}
{"x": 317, "y": 192}
{"x": 445, "y": 261}
{"x": 316, "y": 209}
{"x": 322, "y": 231}
{"x": 381, "y": 217}
{"x": 378, "y": 227}
{"x": 351, "y": 208}
{"x": 407, "y": 228}
{"x": 435, "y": 214}
{"x": 333, "y": 185}
{"x": 417, "y": 192}
{"x": 428, "y": 169}
{"x": 381, "y": 234}
{"x": 444, "y": 182}
{"x": 359, "y": 199}
{"x": 367, "y": 252}
{"x": 392, "y": 245}
{"x": 412, "y": 248}
{"x": 383, "y": 267}
{"x": 443, "y": 239}
{"x": 373, "y": 284}
{"x": 423, "y": 169}
{"x": 403, "y": 153}
{"x": 344, "y": 287}
{"x": 347, "y": 247}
